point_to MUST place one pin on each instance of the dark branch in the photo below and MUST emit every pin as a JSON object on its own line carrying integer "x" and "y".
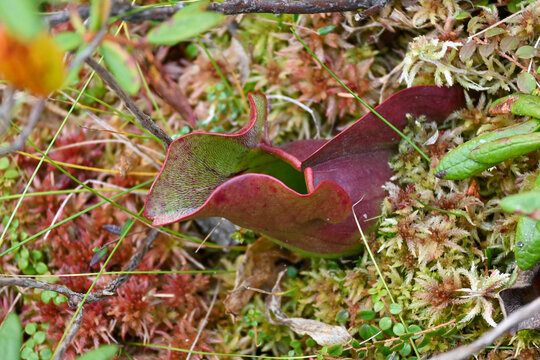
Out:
{"x": 74, "y": 298}
{"x": 35, "y": 114}
{"x": 75, "y": 326}
{"x": 136, "y": 14}
{"x": 233, "y": 7}
{"x": 143, "y": 119}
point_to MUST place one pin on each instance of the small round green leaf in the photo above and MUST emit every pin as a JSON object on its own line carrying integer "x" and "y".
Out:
{"x": 342, "y": 316}
{"x": 45, "y": 354}
{"x": 11, "y": 174}
{"x": 509, "y": 43}
{"x": 495, "y": 31}
{"x": 526, "y": 52}
{"x": 378, "y": 306}
{"x": 4, "y": 163}
{"x": 335, "y": 350}
{"x": 367, "y": 315}
{"x": 385, "y": 323}
{"x": 526, "y": 82}
{"x": 367, "y": 331}
{"x": 394, "y": 309}
{"x": 405, "y": 350}
{"x": 30, "y": 328}
{"x": 39, "y": 337}
{"x": 398, "y": 329}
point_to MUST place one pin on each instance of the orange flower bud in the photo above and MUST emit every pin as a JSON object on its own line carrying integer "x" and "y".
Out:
{"x": 35, "y": 64}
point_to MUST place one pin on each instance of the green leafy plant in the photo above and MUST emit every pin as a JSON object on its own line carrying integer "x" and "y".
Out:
{"x": 488, "y": 150}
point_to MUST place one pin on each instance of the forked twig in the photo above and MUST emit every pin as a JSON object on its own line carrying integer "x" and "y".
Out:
{"x": 74, "y": 298}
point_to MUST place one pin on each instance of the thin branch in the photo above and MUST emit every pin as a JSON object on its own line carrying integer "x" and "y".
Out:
{"x": 135, "y": 14}
{"x": 35, "y": 114}
{"x": 233, "y": 7}
{"x": 74, "y": 298}
{"x": 75, "y": 326}
{"x": 132, "y": 264}
{"x": 143, "y": 119}
{"x": 505, "y": 326}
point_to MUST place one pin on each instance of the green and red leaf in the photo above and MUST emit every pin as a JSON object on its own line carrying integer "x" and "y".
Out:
{"x": 300, "y": 195}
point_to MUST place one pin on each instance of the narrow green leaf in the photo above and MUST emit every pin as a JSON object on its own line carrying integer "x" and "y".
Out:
{"x": 122, "y": 66}
{"x": 467, "y": 50}
{"x": 506, "y": 148}
{"x": 185, "y": 24}
{"x": 517, "y": 104}
{"x": 11, "y": 334}
{"x": 105, "y": 352}
{"x": 99, "y": 14}
{"x": 126, "y": 227}
{"x": 457, "y": 164}
{"x": 527, "y": 248}
{"x": 471, "y": 25}
{"x": 21, "y": 18}
{"x": 462, "y": 15}
{"x": 68, "y": 40}
{"x": 525, "y": 203}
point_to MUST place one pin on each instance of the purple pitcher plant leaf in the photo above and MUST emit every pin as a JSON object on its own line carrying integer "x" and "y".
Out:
{"x": 300, "y": 195}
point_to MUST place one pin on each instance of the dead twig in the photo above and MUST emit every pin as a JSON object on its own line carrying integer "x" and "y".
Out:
{"x": 505, "y": 326}
{"x": 74, "y": 298}
{"x": 75, "y": 326}
{"x": 35, "y": 114}
{"x": 143, "y": 119}
{"x": 135, "y": 14}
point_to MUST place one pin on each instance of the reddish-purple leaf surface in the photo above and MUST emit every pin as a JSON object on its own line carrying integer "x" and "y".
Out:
{"x": 301, "y": 194}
